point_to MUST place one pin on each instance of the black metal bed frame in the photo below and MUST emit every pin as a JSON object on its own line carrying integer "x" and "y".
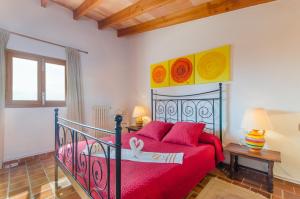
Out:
{"x": 68, "y": 135}
{"x": 203, "y": 107}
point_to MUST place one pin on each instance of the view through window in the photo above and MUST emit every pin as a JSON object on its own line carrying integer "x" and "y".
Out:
{"x": 34, "y": 80}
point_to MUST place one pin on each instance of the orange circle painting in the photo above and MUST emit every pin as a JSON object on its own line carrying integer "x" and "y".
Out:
{"x": 211, "y": 65}
{"x": 181, "y": 70}
{"x": 159, "y": 74}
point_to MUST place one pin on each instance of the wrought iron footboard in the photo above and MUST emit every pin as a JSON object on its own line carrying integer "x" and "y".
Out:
{"x": 73, "y": 149}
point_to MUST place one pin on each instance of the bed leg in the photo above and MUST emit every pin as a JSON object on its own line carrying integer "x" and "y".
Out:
{"x": 220, "y": 166}
{"x": 56, "y": 179}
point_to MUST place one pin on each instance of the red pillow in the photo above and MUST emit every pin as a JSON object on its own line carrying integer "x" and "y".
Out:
{"x": 155, "y": 130}
{"x": 186, "y": 133}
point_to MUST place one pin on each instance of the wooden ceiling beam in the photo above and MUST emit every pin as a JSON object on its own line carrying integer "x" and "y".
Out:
{"x": 86, "y": 6}
{"x": 44, "y": 3}
{"x": 132, "y": 11}
{"x": 211, "y": 8}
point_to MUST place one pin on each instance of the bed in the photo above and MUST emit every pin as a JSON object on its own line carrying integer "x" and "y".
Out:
{"x": 112, "y": 177}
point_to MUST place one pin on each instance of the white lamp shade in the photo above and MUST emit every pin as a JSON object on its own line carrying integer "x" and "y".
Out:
{"x": 256, "y": 119}
{"x": 138, "y": 111}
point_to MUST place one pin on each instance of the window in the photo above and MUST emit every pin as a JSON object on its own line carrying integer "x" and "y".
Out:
{"x": 34, "y": 81}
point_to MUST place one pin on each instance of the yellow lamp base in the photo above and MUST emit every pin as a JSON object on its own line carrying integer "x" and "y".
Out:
{"x": 139, "y": 122}
{"x": 255, "y": 140}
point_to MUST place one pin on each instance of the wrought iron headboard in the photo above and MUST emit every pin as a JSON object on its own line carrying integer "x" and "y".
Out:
{"x": 203, "y": 107}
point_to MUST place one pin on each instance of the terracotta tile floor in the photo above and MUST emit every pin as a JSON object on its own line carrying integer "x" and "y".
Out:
{"x": 254, "y": 181}
{"x": 34, "y": 179}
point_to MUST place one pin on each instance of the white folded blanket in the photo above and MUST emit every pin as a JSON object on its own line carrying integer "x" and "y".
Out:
{"x": 135, "y": 154}
{"x": 127, "y": 154}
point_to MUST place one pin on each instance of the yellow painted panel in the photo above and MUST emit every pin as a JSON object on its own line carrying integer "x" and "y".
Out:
{"x": 182, "y": 71}
{"x": 160, "y": 75}
{"x": 213, "y": 65}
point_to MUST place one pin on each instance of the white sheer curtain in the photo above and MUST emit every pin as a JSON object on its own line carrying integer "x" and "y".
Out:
{"x": 4, "y": 37}
{"x": 74, "y": 99}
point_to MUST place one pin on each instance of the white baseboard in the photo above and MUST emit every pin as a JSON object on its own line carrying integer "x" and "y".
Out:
{"x": 28, "y": 155}
{"x": 288, "y": 179}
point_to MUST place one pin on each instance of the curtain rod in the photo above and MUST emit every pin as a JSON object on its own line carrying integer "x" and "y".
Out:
{"x": 48, "y": 42}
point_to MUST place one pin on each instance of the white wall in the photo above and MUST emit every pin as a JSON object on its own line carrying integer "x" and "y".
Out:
{"x": 105, "y": 69}
{"x": 265, "y": 69}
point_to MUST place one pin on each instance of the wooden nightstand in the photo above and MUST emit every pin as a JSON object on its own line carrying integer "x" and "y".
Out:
{"x": 133, "y": 128}
{"x": 265, "y": 155}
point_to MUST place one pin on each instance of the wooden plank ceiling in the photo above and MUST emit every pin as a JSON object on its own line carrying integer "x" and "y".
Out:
{"x": 136, "y": 16}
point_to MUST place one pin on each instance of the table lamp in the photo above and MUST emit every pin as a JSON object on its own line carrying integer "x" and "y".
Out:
{"x": 138, "y": 113}
{"x": 256, "y": 122}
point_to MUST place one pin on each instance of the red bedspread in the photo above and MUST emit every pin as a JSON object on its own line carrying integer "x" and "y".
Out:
{"x": 157, "y": 181}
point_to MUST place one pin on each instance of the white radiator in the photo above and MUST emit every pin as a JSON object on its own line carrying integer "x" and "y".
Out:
{"x": 102, "y": 119}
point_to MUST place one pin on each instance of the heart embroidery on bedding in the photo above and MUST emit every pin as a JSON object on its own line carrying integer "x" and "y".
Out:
{"x": 136, "y": 146}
